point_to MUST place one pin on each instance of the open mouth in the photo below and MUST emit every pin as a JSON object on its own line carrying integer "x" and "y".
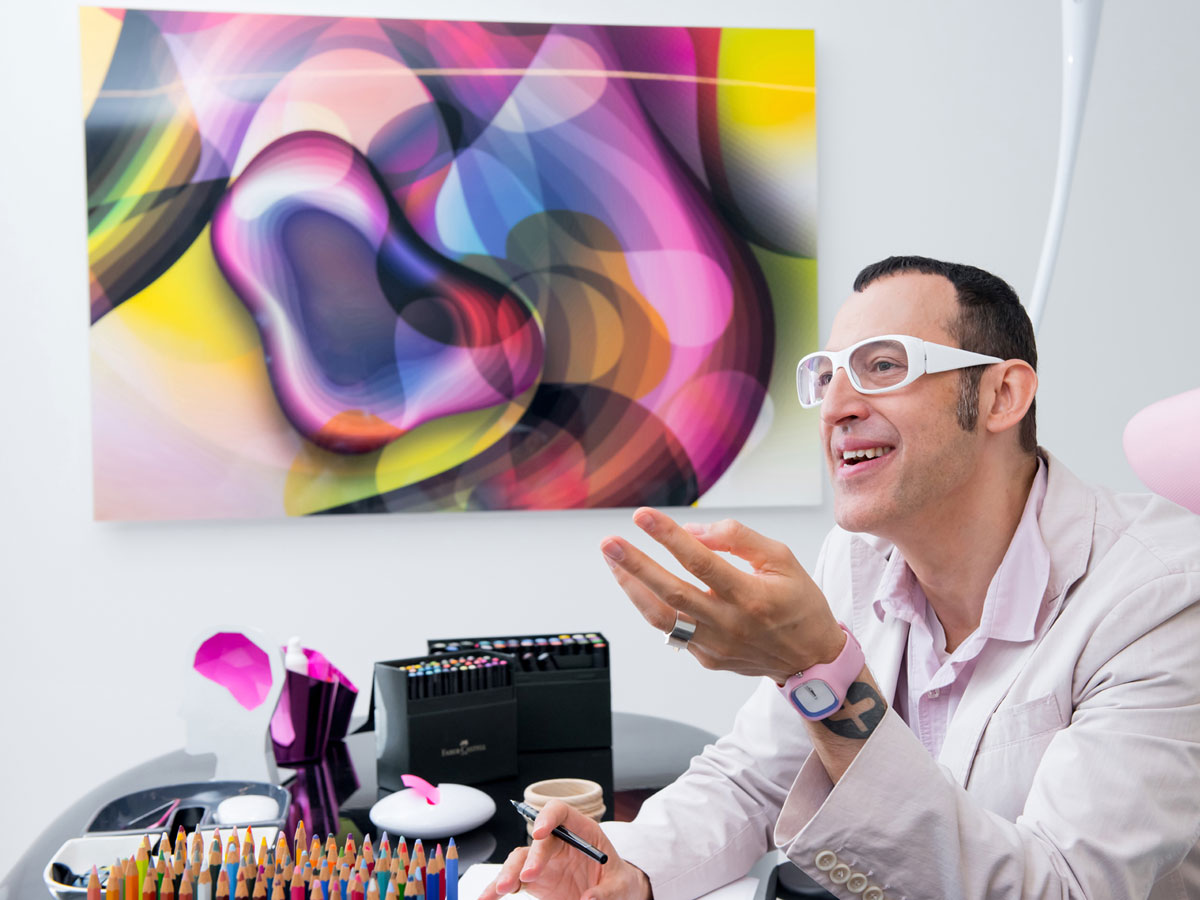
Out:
{"x": 854, "y": 457}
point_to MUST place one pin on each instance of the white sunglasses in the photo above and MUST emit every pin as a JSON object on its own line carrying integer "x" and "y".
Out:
{"x": 880, "y": 364}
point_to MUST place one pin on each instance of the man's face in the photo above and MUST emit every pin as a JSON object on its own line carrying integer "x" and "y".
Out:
{"x": 926, "y": 457}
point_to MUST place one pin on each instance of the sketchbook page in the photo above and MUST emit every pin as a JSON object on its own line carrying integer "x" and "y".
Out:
{"x": 480, "y": 875}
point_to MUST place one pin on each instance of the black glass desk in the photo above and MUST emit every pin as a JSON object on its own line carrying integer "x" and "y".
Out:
{"x": 337, "y": 794}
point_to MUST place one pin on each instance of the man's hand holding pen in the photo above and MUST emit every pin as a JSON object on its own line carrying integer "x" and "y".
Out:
{"x": 552, "y": 869}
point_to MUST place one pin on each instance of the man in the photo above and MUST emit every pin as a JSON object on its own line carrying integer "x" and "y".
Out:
{"x": 1027, "y": 720}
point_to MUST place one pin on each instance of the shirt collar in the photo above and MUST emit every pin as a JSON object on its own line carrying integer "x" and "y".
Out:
{"x": 1014, "y": 594}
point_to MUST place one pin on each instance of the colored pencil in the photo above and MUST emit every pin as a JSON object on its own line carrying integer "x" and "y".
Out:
{"x": 233, "y": 859}
{"x": 93, "y": 884}
{"x": 431, "y": 880}
{"x": 418, "y": 859}
{"x": 204, "y": 884}
{"x": 324, "y": 876}
{"x": 452, "y": 871}
{"x": 115, "y": 886}
{"x": 133, "y": 886}
{"x": 301, "y": 840}
{"x": 160, "y": 871}
{"x": 142, "y": 859}
{"x": 214, "y": 861}
{"x": 368, "y": 854}
{"x": 402, "y": 855}
{"x": 249, "y": 871}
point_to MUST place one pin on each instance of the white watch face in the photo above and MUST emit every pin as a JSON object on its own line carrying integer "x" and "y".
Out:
{"x": 815, "y": 698}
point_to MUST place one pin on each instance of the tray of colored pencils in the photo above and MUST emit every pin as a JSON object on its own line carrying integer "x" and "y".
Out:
{"x": 257, "y": 865}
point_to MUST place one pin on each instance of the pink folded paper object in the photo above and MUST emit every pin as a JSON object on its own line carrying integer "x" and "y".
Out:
{"x": 236, "y": 663}
{"x": 313, "y": 710}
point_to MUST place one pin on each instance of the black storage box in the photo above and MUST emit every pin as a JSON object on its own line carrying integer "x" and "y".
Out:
{"x": 466, "y": 737}
{"x": 563, "y": 691}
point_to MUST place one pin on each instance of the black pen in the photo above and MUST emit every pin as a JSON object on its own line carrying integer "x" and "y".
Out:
{"x": 562, "y": 834}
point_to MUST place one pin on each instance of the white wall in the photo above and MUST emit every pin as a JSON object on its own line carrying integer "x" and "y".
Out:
{"x": 937, "y": 130}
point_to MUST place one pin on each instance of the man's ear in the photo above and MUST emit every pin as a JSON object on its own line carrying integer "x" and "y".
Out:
{"x": 1013, "y": 384}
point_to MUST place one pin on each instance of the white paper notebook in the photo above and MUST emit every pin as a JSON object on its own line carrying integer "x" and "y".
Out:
{"x": 481, "y": 875}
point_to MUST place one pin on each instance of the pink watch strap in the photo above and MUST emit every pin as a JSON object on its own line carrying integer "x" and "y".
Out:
{"x": 826, "y": 684}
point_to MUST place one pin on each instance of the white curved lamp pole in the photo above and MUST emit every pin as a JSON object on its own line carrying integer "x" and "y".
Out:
{"x": 1081, "y": 25}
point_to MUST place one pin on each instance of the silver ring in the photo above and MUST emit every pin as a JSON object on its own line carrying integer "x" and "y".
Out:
{"x": 681, "y": 632}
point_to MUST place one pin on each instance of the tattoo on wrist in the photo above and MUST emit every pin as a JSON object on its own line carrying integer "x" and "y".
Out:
{"x": 860, "y": 715}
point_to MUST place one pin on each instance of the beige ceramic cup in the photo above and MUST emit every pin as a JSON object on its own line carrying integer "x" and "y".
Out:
{"x": 585, "y": 796}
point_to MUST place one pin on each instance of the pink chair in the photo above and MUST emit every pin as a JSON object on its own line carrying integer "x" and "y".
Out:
{"x": 1159, "y": 442}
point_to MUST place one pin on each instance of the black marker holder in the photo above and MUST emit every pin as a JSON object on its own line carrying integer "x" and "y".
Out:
{"x": 564, "y": 706}
{"x": 466, "y": 737}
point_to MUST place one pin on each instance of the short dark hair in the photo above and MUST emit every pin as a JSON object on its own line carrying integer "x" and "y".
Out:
{"x": 990, "y": 320}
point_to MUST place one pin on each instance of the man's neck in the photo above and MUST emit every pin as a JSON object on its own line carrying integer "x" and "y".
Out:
{"x": 959, "y": 551}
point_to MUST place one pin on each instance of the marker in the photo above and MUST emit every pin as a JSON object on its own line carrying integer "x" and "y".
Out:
{"x": 563, "y": 834}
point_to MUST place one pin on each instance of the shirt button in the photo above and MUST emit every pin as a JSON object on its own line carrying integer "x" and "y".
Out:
{"x": 840, "y": 873}
{"x": 933, "y": 695}
{"x": 856, "y": 883}
{"x": 825, "y": 860}
{"x": 873, "y": 892}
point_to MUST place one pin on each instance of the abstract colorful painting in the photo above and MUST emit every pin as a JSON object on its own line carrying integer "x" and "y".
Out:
{"x": 369, "y": 265}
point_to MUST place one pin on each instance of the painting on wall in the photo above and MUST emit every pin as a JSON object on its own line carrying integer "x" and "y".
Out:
{"x": 378, "y": 265}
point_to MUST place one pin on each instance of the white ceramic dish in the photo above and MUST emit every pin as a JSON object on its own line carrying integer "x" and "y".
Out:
{"x": 80, "y": 854}
{"x": 460, "y": 809}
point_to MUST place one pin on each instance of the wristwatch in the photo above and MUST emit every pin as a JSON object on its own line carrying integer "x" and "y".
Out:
{"x": 819, "y": 691}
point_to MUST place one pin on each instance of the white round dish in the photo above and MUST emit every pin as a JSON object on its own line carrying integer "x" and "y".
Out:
{"x": 460, "y": 808}
{"x": 246, "y": 808}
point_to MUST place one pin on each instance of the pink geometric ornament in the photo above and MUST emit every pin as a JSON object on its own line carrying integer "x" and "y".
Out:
{"x": 237, "y": 664}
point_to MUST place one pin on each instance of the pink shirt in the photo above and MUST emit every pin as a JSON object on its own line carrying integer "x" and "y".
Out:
{"x": 932, "y": 681}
